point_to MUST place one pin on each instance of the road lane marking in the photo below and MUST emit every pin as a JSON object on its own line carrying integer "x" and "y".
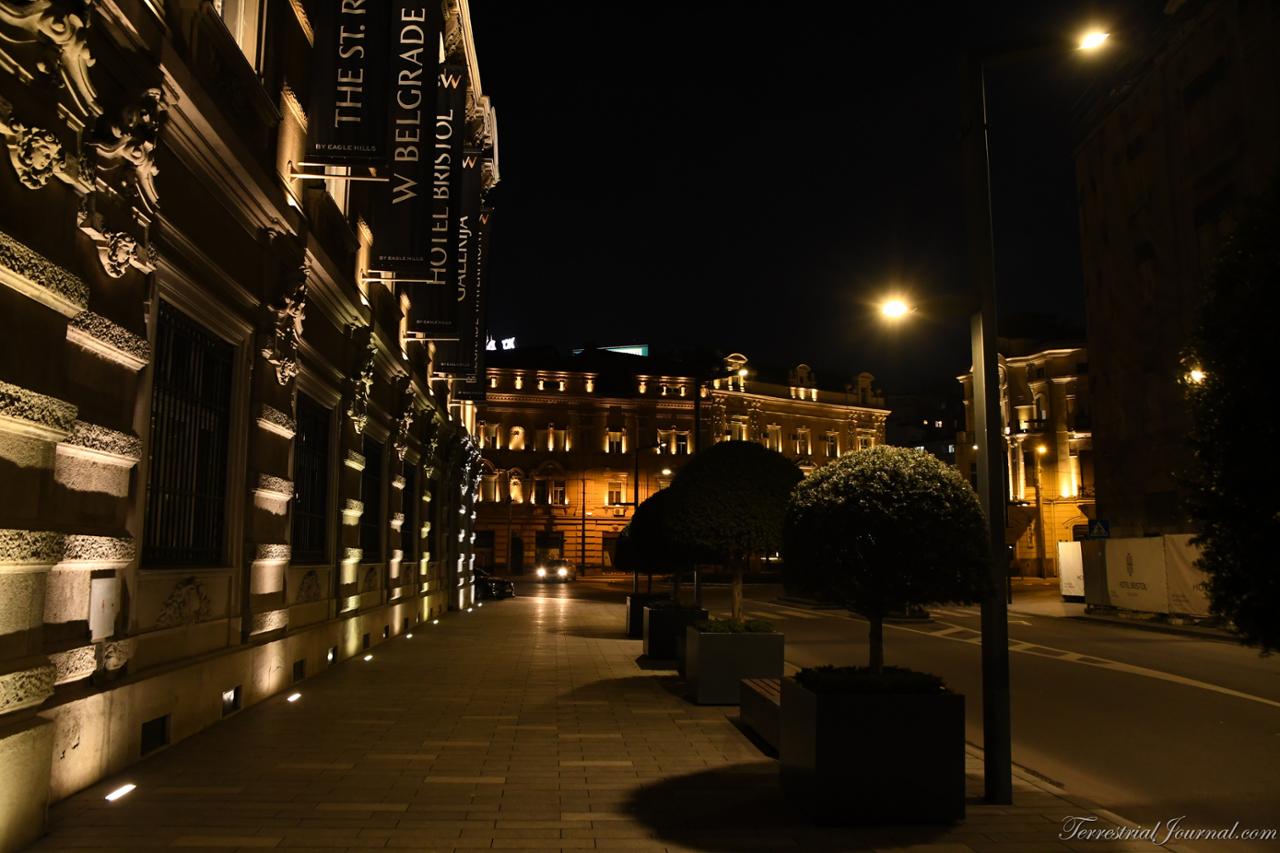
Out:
{"x": 1050, "y": 653}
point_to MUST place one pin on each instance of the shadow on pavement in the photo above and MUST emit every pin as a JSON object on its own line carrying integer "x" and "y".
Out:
{"x": 623, "y": 688}
{"x": 742, "y": 808}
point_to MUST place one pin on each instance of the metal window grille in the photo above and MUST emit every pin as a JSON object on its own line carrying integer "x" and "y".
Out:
{"x": 311, "y": 482}
{"x": 371, "y": 496}
{"x": 409, "y": 530}
{"x": 190, "y": 427}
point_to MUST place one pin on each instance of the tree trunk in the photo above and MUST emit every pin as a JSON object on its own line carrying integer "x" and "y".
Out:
{"x": 737, "y": 591}
{"x": 877, "y": 643}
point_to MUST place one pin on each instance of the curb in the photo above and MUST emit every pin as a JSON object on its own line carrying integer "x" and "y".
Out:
{"x": 1160, "y": 627}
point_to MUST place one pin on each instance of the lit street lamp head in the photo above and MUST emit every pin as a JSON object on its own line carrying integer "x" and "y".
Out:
{"x": 1093, "y": 40}
{"x": 894, "y": 308}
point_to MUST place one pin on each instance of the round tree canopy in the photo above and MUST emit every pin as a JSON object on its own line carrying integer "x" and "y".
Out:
{"x": 885, "y": 529}
{"x": 729, "y": 499}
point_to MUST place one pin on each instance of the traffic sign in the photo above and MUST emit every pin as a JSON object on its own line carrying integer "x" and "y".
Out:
{"x": 1099, "y": 529}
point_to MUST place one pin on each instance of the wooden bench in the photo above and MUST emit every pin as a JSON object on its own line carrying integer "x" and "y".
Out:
{"x": 760, "y": 708}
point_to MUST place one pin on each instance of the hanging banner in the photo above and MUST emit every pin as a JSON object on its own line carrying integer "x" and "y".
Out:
{"x": 433, "y": 305}
{"x": 460, "y": 359}
{"x": 402, "y": 208}
{"x": 474, "y": 388}
{"x": 347, "y": 118}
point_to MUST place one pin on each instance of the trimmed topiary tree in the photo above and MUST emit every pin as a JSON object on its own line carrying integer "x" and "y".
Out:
{"x": 883, "y": 530}
{"x": 727, "y": 503}
{"x": 1226, "y": 377}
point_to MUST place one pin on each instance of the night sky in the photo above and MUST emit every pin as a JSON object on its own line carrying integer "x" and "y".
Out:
{"x": 751, "y": 176}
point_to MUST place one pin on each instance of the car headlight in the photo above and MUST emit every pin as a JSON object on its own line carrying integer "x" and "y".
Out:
{"x": 562, "y": 572}
{"x": 541, "y": 572}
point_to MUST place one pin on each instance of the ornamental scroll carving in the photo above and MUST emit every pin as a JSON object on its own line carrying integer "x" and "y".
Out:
{"x": 186, "y": 604}
{"x": 285, "y": 330}
{"x": 127, "y": 146}
{"x": 37, "y": 154}
{"x": 58, "y": 31}
{"x": 117, "y": 250}
{"x": 404, "y": 419}
{"x": 362, "y": 380}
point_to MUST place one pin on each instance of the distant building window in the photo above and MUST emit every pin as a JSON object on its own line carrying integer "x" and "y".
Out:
{"x": 739, "y": 430}
{"x": 773, "y": 437}
{"x": 516, "y": 490}
{"x": 615, "y": 493}
{"x": 864, "y": 443}
{"x": 371, "y": 497}
{"x": 666, "y": 440}
{"x": 833, "y": 445}
{"x": 682, "y": 443}
{"x": 803, "y": 446}
{"x": 409, "y": 531}
{"x": 489, "y": 435}
{"x": 190, "y": 428}
{"x": 613, "y": 442}
{"x": 559, "y": 494}
{"x": 541, "y": 491}
{"x": 516, "y": 441}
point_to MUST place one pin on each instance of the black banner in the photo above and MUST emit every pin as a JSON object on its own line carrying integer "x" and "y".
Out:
{"x": 402, "y": 209}
{"x": 460, "y": 359}
{"x": 475, "y": 387}
{"x": 433, "y": 305}
{"x": 346, "y": 124}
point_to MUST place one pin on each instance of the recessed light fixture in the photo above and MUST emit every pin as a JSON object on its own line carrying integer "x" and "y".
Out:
{"x": 435, "y": 621}
{"x": 120, "y": 792}
{"x": 408, "y": 636}
{"x": 469, "y": 609}
{"x": 479, "y": 604}
{"x": 293, "y": 697}
{"x": 368, "y": 658}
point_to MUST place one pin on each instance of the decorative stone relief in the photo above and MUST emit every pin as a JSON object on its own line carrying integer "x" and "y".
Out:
{"x": 273, "y": 552}
{"x": 370, "y": 579}
{"x": 58, "y": 29}
{"x": 352, "y": 555}
{"x": 116, "y": 654}
{"x": 107, "y": 441}
{"x": 43, "y": 410}
{"x": 103, "y": 337}
{"x": 404, "y": 423}
{"x": 25, "y": 688}
{"x": 117, "y": 250}
{"x": 40, "y": 278}
{"x": 128, "y": 146}
{"x": 354, "y": 460}
{"x": 74, "y": 664}
{"x": 37, "y": 154}
{"x": 285, "y": 330}
{"x": 309, "y": 587}
{"x": 274, "y": 486}
{"x": 272, "y": 620}
{"x": 98, "y": 549}
{"x": 353, "y": 507}
{"x": 186, "y": 604}
{"x": 397, "y": 482}
{"x": 30, "y": 546}
{"x": 397, "y": 520}
{"x": 271, "y": 418}
{"x": 362, "y": 384}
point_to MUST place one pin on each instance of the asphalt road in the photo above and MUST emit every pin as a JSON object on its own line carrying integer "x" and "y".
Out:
{"x": 1151, "y": 725}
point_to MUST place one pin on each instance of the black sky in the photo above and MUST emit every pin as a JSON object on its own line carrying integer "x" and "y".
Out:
{"x": 749, "y": 175}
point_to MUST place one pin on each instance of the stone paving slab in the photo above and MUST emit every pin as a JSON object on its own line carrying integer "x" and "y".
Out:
{"x": 521, "y": 726}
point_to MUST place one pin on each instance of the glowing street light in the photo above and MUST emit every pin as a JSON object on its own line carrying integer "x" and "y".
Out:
{"x": 1093, "y": 40}
{"x": 666, "y": 472}
{"x": 1196, "y": 376}
{"x": 894, "y": 308}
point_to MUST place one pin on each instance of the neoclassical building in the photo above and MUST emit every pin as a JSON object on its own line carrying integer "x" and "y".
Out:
{"x": 570, "y": 443}
{"x": 1044, "y": 401}
{"x": 226, "y": 463}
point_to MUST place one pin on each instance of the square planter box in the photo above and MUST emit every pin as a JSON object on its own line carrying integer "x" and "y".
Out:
{"x": 663, "y": 624}
{"x": 873, "y": 759}
{"x": 636, "y": 603}
{"x": 717, "y": 663}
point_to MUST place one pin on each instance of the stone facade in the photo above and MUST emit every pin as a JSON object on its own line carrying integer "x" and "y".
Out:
{"x": 570, "y": 443}
{"x": 1045, "y": 408}
{"x": 152, "y": 222}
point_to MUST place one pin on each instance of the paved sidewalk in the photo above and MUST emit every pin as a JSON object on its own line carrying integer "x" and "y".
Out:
{"x": 525, "y": 725}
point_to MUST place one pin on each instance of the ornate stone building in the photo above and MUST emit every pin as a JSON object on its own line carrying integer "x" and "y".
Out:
{"x": 570, "y": 442}
{"x": 222, "y": 466}
{"x": 1044, "y": 401}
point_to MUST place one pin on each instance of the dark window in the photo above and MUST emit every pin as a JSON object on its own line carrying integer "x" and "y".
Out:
{"x": 155, "y": 734}
{"x": 190, "y": 424}
{"x": 310, "y": 482}
{"x": 409, "y": 530}
{"x": 484, "y": 539}
{"x": 541, "y": 491}
{"x": 371, "y": 496}
{"x": 682, "y": 443}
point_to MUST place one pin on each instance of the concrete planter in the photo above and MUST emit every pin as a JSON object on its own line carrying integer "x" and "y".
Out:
{"x": 636, "y": 603}
{"x": 873, "y": 759}
{"x": 716, "y": 663}
{"x": 663, "y": 624}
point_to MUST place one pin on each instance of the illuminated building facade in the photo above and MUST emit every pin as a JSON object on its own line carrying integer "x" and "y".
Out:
{"x": 223, "y": 466}
{"x": 1165, "y": 161}
{"x": 569, "y": 442}
{"x": 1044, "y": 402}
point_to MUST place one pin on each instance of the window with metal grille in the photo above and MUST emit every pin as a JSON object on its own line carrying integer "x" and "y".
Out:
{"x": 190, "y": 427}
{"x": 409, "y": 530}
{"x": 311, "y": 482}
{"x": 371, "y": 496}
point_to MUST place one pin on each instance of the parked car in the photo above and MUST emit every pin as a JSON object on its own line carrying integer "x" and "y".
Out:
{"x": 556, "y": 571}
{"x": 491, "y": 587}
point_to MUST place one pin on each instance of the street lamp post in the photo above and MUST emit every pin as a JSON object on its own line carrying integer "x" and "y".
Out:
{"x": 1041, "y": 450}
{"x": 635, "y": 505}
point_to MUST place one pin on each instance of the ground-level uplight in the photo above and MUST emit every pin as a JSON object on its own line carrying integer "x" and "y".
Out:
{"x": 469, "y": 609}
{"x": 368, "y": 658}
{"x": 120, "y": 792}
{"x": 293, "y": 697}
{"x": 479, "y": 604}
{"x": 435, "y": 621}
{"x": 409, "y": 636}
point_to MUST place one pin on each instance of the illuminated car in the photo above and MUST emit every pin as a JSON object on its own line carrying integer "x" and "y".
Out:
{"x": 556, "y": 571}
{"x": 492, "y": 588}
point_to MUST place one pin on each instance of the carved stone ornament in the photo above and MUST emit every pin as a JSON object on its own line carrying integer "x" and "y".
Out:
{"x": 37, "y": 154}
{"x": 130, "y": 143}
{"x": 186, "y": 604}
{"x": 362, "y": 385}
{"x": 404, "y": 420}
{"x": 58, "y": 29}
{"x": 370, "y": 580}
{"x": 117, "y": 250}
{"x": 309, "y": 587}
{"x": 285, "y": 331}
